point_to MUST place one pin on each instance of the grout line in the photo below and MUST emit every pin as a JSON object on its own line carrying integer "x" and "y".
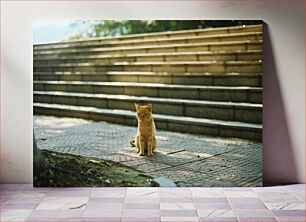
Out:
{"x": 123, "y": 206}
{"x": 197, "y": 210}
{"x": 158, "y": 196}
{"x": 91, "y": 191}
{"x": 231, "y": 205}
{"x": 297, "y": 196}
{"x": 266, "y": 205}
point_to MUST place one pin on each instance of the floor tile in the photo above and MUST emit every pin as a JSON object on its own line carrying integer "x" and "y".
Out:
{"x": 253, "y": 213}
{"x": 57, "y": 213}
{"x": 101, "y": 219}
{"x": 237, "y": 189}
{"x": 67, "y": 189}
{"x": 216, "y": 213}
{"x": 28, "y": 194}
{"x": 177, "y": 206}
{"x": 111, "y": 193}
{"x": 210, "y": 200}
{"x": 79, "y": 193}
{"x": 175, "y": 192}
{"x": 141, "y": 206}
{"x": 20, "y": 206}
{"x": 178, "y": 213}
{"x": 25, "y": 198}
{"x": 296, "y": 187}
{"x": 3, "y": 200}
{"x": 285, "y": 206}
{"x": 142, "y": 192}
{"x": 254, "y": 219}
{"x": 106, "y": 200}
{"x": 62, "y": 203}
{"x": 15, "y": 214}
{"x": 142, "y": 200}
{"x": 218, "y": 219}
{"x": 291, "y": 219}
{"x": 299, "y": 194}
{"x": 179, "y": 219}
{"x": 271, "y": 197}
{"x": 240, "y": 194}
{"x": 176, "y": 200}
{"x": 142, "y": 213}
{"x": 274, "y": 189}
{"x": 10, "y": 186}
{"x": 54, "y": 219}
{"x": 246, "y": 200}
{"x": 103, "y": 213}
{"x": 207, "y": 192}
{"x": 224, "y": 205}
{"x": 23, "y": 202}
{"x": 7, "y": 194}
{"x": 2, "y": 204}
{"x": 236, "y": 205}
{"x": 140, "y": 219}
{"x": 27, "y": 187}
{"x": 30, "y": 200}
{"x": 174, "y": 189}
{"x": 108, "y": 206}
{"x": 289, "y": 213}
{"x": 109, "y": 189}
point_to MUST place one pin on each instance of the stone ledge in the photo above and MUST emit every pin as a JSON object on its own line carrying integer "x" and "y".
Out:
{"x": 194, "y": 32}
{"x": 213, "y": 79}
{"x": 162, "y": 41}
{"x": 215, "y": 46}
{"x": 166, "y": 122}
{"x": 195, "y": 92}
{"x": 244, "y": 112}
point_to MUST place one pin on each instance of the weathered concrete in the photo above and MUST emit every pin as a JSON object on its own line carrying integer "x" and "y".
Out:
{"x": 186, "y": 159}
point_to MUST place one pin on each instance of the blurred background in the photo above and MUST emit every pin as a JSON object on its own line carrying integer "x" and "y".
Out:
{"x": 59, "y": 30}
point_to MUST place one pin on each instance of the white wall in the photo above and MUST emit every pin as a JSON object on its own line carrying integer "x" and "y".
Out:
{"x": 284, "y": 74}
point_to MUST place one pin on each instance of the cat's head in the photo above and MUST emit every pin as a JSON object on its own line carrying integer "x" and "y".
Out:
{"x": 144, "y": 112}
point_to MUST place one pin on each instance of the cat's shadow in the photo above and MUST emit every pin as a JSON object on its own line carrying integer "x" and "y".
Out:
{"x": 159, "y": 157}
{"x": 131, "y": 152}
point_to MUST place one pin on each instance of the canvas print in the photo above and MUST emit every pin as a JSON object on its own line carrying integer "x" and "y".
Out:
{"x": 142, "y": 103}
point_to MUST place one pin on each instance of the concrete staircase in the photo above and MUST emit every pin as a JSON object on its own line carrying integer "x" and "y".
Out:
{"x": 205, "y": 81}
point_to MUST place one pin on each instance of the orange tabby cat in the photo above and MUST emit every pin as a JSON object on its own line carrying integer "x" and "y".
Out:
{"x": 145, "y": 139}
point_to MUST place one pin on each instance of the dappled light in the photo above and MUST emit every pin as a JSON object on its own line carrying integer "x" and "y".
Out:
{"x": 54, "y": 122}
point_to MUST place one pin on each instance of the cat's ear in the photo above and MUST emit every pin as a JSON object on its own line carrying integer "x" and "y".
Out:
{"x": 136, "y": 106}
{"x": 150, "y": 106}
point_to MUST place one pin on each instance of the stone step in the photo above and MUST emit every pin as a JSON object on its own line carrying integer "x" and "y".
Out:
{"x": 189, "y": 47}
{"x": 213, "y": 79}
{"x": 252, "y": 55}
{"x": 163, "y": 122}
{"x": 195, "y": 92}
{"x": 244, "y": 112}
{"x": 157, "y": 35}
{"x": 180, "y": 67}
{"x": 163, "y": 41}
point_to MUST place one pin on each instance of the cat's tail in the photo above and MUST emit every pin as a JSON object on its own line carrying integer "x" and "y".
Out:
{"x": 132, "y": 143}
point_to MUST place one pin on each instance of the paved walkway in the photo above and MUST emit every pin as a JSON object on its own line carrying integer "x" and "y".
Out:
{"x": 188, "y": 160}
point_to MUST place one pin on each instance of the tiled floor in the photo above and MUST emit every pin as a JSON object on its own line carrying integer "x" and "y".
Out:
{"x": 22, "y": 202}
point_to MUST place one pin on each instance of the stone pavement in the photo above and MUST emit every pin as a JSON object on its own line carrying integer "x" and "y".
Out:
{"x": 188, "y": 160}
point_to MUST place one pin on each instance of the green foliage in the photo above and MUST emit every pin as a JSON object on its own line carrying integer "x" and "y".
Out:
{"x": 106, "y": 28}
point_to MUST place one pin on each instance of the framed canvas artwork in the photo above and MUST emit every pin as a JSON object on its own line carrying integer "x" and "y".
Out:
{"x": 168, "y": 103}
